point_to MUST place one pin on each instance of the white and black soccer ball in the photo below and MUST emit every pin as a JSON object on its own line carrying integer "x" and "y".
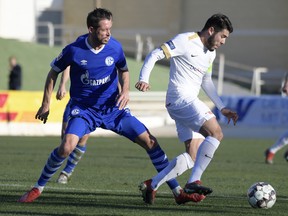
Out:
{"x": 261, "y": 195}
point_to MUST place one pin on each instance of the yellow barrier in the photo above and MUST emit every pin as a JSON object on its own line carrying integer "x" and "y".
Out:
{"x": 21, "y": 106}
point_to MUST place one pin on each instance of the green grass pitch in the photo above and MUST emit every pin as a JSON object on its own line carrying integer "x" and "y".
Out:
{"x": 105, "y": 181}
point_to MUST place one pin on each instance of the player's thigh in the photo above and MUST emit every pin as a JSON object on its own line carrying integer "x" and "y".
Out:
{"x": 212, "y": 128}
{"x": 129, "y": 126}
{"x": 192, "y": 115}
{"x": 185, "y": 132}
{"x": 77, "y": 126}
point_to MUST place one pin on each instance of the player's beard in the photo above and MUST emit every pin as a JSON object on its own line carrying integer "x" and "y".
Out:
{"x": 211, "y": 42}
{"x": 105, "y": 40}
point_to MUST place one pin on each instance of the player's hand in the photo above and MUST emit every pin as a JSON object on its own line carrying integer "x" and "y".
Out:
{"x": 142, "y": 86}
{"x": 123, "y": 99}
{"x": 61, "y": 93}
{"x": 230, "y": 115}
{"x": 285, "y": 88}
{"x": 42, "y": 114}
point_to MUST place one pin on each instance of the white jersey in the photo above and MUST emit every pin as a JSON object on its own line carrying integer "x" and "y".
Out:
{"x": 190, "y": 62}
{"x": 190, "y": 69}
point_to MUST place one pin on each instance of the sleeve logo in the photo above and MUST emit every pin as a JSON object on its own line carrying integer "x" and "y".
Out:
{"x": 171, "y": 45}
{"x": 59, "y": 56}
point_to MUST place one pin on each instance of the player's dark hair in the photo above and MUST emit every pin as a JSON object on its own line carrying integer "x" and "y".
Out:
{"x": 95, "y": 16}
{"x": 219, "y": 22}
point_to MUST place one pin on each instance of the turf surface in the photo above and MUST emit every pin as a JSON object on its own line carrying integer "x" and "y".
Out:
{"x": 105, "y": 181}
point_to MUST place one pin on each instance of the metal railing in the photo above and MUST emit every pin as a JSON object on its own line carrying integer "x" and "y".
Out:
{"x": 134, "y": 43}
{"x": 256, "y": 82}
{"x": 49, "y": 35}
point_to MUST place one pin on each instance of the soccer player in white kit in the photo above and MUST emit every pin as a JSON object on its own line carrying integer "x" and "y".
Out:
{"x": 191, "y": 57}
{"x": 283, "y": 139}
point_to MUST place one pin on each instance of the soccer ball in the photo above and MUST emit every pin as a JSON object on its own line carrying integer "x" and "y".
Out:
{"x": 261, "y": 195}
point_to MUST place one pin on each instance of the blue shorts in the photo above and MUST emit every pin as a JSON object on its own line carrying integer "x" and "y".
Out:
{"x": 84, "y": 120}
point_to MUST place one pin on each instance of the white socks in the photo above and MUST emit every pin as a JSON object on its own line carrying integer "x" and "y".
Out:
{"x": 280, "y": 143}
{"x": 175, "y": 168}
{"x": 41, "y": 188}
{"x": 203, "y": 158}
{"x": 184, "y": 162}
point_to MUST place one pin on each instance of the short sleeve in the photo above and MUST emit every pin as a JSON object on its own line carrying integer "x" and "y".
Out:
{"x": 63, "y": 60}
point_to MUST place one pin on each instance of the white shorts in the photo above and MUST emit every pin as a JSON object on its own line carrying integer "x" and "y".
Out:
{"x": 189, "y": 117}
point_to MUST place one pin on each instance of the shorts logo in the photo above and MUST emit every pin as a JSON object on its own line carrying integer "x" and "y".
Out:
{"x": 109, "y": 61}
{"x": 127, "y": 110}
{"x": 171, "y": 45}
{"x": 75, "y": 112}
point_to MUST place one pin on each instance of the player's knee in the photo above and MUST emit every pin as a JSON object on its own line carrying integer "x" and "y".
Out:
{"x": 64, "y": 151}
{"x": 217, "y": 134}
{"x": 147, "y": 141}
{"x": 152, "y": 142}
{"x": 66, "y": 148}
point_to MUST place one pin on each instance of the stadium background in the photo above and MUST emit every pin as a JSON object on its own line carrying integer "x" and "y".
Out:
{"x": 106, "y": 180}
{"x": 259, "y": 39}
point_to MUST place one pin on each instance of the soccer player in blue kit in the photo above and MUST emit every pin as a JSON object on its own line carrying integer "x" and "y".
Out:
{"x": 97, "y": 64}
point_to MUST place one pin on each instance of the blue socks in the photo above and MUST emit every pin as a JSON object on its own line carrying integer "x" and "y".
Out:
{"x": 74, "y": 158}
{"x": 160, "y": 161}
{"x": 53, "y": 163}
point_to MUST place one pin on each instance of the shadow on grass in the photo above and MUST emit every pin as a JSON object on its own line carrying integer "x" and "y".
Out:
{"x": 55, "y": 201}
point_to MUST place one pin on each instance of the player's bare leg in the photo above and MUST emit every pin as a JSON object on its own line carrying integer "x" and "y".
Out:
{"x": 73, "y": 160}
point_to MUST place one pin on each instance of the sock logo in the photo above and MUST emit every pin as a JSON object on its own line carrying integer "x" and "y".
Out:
{"x": 208, "y": 156}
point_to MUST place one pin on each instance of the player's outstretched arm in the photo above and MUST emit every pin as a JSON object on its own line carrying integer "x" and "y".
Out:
{"x": 150, "y": 60}
{"x": 43, "y": 111}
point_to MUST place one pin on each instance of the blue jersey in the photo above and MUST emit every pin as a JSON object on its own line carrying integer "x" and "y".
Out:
{"x": 93, "y": 73}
